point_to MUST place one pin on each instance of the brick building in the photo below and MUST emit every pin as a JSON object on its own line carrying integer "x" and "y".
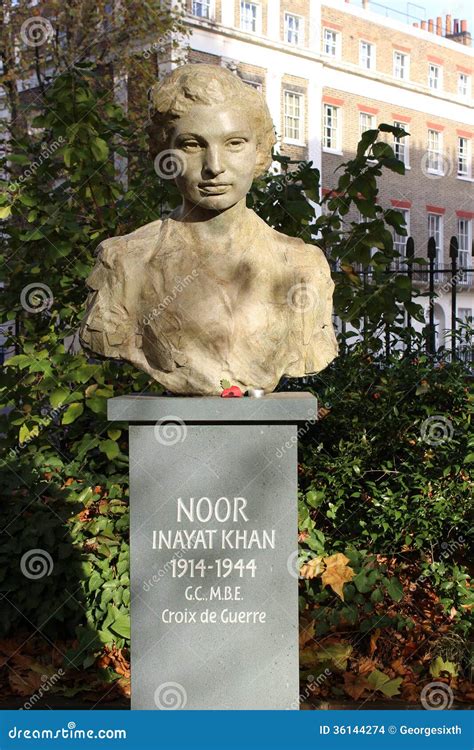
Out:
{"x": 329, "y": 70}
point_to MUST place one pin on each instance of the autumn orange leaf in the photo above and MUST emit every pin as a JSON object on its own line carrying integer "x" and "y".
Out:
{"x": 355, "y": 685}
{"x": 337, "y": 573}
{"x": 373, "y": 641}
{"x": 312, "y": 568}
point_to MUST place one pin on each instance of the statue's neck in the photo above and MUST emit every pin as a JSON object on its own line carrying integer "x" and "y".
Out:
{"x": 211, "y": 223}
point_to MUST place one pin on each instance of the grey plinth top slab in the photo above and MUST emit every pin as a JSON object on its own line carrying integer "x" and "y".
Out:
{"x": 280, "y": 408}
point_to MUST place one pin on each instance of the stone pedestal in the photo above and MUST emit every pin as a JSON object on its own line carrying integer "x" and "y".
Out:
{"x": 213, "y": 496}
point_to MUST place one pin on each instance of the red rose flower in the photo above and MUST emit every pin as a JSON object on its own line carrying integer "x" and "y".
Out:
{"x": 232, "y": 392}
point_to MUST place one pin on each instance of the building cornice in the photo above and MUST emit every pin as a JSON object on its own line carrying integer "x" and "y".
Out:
{"x": 305, "y": 54}
{"x": 365, "y": 14}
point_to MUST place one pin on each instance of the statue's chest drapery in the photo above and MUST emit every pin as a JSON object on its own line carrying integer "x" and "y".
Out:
{"x": 250, "y": 306}
{"x": 212, "y": 295}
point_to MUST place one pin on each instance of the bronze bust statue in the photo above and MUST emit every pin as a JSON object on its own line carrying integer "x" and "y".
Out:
{"x": 211, "y": 292}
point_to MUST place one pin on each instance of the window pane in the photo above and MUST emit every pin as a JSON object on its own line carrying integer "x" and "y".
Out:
{"x": 293, "y": 116}
{"x": 463, "y": 158}
{"x": 248, "y": 16}
{"x": 434, "y": 151}
{"x": 202, "y": 8}
{"x": 330, "y": 42}
{"x": 399, "y": 240}
{"x": 331, "y": 126}
{"x": 366, "y": 54}
{"x": 464, "y": 256}
{"x": 366, "y": 122}
{"x": 399, "y": 65}
{"x": 292, "y": 29}
{"x": 434, "y": 230}
{"x": 433, "y": 77}
{"x": 463, "y": 84}
{"x": 399, "y": 145}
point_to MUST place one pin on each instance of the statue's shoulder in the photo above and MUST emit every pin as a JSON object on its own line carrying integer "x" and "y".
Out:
{"x": 115, "y": 254}
{"x": 294, "y": 250}
{"x": 113, "y": 249}
{"x": 144, "y": 233}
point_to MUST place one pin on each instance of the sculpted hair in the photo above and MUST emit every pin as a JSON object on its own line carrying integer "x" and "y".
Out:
{"x": 207, "y": 84}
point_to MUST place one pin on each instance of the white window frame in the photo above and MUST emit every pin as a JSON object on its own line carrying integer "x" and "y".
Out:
{"x": 335, "y": 45}
{"x": 464, "y": 236}
{"x": 465, "y": 155}
{"x": 337, "y": 148}
{"x": 254, "y": 84}
{"x": 400, "y": 240}
{"x": 370, "y": 46}
{"x": 464, "y": 84}
{"x": 404, "y": 68}
{"x": 432, "y": 78}
{"x": 208, "y": 3}
{"x": 439, "y": 232}
{"x": 403, "y": 143}
{"x": 258, "y": 17}
{"x": 300, "y": 118}
{"x": 299, "y": 32}
{"x": 435, "y": 155}
{"x": 371, "y": 118}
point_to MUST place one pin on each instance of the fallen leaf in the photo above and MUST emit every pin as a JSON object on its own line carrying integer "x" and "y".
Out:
{"x": 24, "y": 683}
{"x": 323, "y": 412}
{"x": 438, "y": 666}
{"x": 312, "y": 568}
{"x": 355, "y": 685}
{"x": 399, "y": 667}
{"x": 337, "y": 573}
{"x": 335, "y": 654}
{"x": 410, "y": 692}
{"x": 381, "y": 682}
{"x": 366, "y": 665}
{"x": 373, "y": 641}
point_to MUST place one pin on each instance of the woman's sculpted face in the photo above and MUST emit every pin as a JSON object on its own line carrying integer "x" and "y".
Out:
{"x": 217, "y": 148}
